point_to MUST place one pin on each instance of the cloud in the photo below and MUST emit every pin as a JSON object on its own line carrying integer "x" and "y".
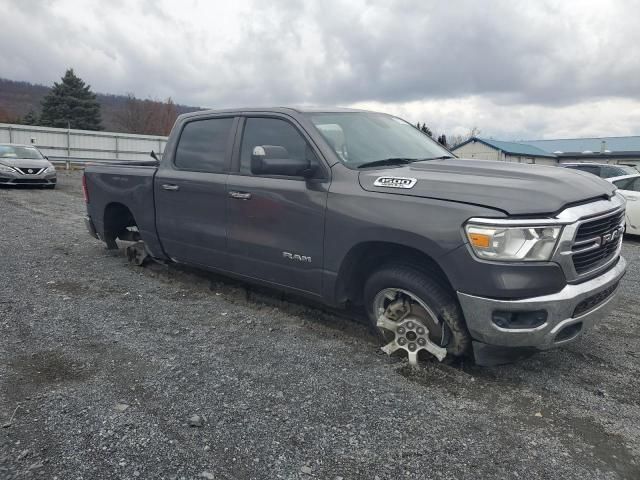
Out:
{"x": 510, "y": 67}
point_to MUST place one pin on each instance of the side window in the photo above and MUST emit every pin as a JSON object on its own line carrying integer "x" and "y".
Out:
{"x": 276, "y": 132}
{"x": 608, "y": 172}
{"x": 634, "y": 185}
{"x": 623, "y": 184}
{"x": 203, "y": 145}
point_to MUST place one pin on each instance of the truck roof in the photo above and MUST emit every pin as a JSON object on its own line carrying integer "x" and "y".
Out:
{"x": 289, "y": 110}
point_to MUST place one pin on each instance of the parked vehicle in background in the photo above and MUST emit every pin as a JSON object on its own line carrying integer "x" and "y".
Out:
{"x": 25, "y": 165}
{"x": 602, "y": 170}
{"x": 629, "y": 188}
{"x": 447, "y": 256}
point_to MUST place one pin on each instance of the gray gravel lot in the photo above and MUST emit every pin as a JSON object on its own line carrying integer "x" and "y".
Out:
{"x": 102, "y": 366}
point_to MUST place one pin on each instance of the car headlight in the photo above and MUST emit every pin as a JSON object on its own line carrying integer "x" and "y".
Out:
{"x": 520, "y": 243}
{"x": 4, "y": 168}
{"x": 50, "y": 169}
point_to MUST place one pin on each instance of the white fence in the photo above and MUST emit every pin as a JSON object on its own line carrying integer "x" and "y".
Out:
{"x": 60, "y": 143}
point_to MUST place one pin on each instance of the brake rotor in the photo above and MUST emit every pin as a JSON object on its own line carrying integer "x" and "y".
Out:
{"x": 410, "y": 322}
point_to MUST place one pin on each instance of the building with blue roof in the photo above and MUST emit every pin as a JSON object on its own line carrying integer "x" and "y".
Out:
{"x": 612, "y": 150}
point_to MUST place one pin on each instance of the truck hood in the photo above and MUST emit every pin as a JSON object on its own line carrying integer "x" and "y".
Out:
{"x": 517, "y": 189}
{"x": 25, "y": 162}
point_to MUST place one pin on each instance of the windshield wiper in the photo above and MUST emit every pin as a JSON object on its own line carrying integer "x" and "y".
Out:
{"x": 399, "y": 161}
{"x": 388, "y": 161}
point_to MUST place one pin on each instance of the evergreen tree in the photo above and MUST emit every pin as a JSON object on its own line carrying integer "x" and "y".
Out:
{"x": 426, "y": 130}
{"x": 71, "y": 103}
{"x": 31, "y": 118}
{"x": 442, "y": 140}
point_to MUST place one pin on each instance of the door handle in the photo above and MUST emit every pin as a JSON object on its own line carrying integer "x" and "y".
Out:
{"x": 240, "y": 195}
{"x": 171, "y": 188}
{"x": 631, "y": 198}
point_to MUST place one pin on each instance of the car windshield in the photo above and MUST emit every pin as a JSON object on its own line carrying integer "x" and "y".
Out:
{"x": 17, "y": 151}
{"x": 360, "y": 138}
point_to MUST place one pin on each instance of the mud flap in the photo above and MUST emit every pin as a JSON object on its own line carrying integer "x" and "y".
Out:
{"x": 487, "y": 355}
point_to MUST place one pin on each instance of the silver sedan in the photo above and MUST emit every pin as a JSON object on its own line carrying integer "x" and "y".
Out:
{"x": 25, "y": 165}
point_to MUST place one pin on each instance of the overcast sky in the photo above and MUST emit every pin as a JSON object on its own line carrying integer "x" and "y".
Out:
{"x": 515, "y": 69}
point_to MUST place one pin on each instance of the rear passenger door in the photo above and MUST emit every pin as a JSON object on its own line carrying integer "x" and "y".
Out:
{"x": 276, "y": 223}
{"x": 190, "y": 192}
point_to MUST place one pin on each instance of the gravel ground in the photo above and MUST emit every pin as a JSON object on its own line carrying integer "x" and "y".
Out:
{"x": 113, "y": 371}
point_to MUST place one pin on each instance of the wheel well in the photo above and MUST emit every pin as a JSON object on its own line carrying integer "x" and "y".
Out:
{"x": 117, "y": 218}
{"x": 363, "y": 259}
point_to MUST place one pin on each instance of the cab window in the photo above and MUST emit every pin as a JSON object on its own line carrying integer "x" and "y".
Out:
{"x": 203, "y": 145}
{"x": 273, "y": 132}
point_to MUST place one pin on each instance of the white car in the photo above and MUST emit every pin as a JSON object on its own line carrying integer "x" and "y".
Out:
{"x": 629, "y": 187}
{"x": 25, "y": 165}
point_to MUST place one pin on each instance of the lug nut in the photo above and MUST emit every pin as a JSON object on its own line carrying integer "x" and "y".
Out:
{"x": 422, "y": 342}
{"x": 410, "y": 325}
{"x": 412, "y": 346}
{"x": 402, "y": 341}
{"x": 401, "y": 330}
{"x": 420, "y": 331}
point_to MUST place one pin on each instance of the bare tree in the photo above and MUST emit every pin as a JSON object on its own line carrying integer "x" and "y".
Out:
{"x": 147, "y": 117}
{"x": 134, "y": 116}
{"x": 7, "y": 116}
{"x": 164, "y": 116}
{"x": 455, "y": 140}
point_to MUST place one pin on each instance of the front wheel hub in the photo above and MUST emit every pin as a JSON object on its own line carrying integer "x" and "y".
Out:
{"x": 408, "y": 318}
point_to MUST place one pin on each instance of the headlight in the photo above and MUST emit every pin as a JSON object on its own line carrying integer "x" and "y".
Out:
{"x": 50, "y": 169}
{"x": 4, "y": 168}
{"x": 513, "y": 243}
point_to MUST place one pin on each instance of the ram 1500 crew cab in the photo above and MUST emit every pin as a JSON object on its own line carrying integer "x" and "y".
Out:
{"x": 447, "y": 256}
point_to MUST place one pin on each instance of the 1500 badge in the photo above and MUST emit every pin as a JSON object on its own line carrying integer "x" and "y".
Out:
{"x": 395, "y": 182}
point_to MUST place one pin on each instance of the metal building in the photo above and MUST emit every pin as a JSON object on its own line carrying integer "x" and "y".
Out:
{"x": 488, "y": 149}
{"x": 612, "y": 150}
{"x": 60, "y": 143}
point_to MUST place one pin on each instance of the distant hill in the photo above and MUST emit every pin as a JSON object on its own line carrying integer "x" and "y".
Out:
{"x": 18, "y": 98}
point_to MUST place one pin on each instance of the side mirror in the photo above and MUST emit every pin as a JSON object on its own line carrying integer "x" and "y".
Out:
{"x": 274, "y": 160}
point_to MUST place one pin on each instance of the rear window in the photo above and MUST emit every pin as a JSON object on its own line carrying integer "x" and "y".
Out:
{"x": 203, "y": 145}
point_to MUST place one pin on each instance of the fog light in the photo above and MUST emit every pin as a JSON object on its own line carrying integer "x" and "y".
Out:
{"x": 519, "y": 320}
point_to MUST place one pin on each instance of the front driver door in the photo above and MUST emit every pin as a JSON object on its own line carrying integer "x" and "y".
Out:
{"x": 276, "y": 223}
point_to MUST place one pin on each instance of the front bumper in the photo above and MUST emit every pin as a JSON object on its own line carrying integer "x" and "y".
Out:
{"x": 569, "y": 313}
{"x": 7, "y": 178}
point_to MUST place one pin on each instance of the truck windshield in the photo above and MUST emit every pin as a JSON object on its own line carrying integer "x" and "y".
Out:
{"x": 360, "y": 138}
{"x": 17, "y": 151}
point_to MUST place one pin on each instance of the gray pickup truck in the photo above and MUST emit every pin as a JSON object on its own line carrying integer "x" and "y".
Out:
{"x": 447, "y": 256}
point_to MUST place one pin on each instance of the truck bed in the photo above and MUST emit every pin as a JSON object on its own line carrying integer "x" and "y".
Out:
{"x": 115, "y": 188}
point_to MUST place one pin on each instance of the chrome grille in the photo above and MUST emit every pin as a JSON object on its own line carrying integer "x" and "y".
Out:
{"x": 585, "y": 261}
{"x": 597, "y": 241}
{"x": 599, "y": 227}
{"x": 30, "y": 170}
